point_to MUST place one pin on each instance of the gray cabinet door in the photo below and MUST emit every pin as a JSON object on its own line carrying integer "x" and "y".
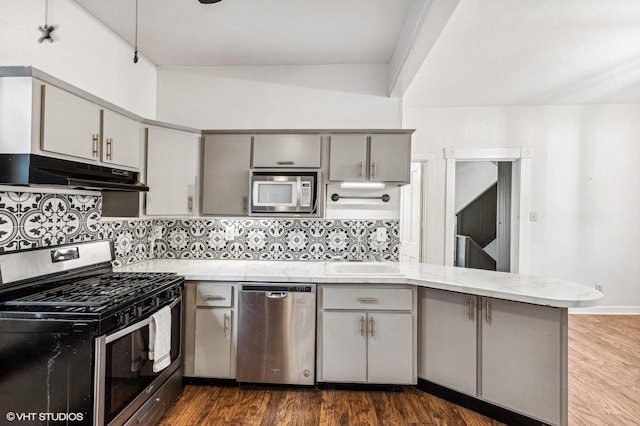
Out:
{"x": 225, "y": 174}
{"x": 172, "y": 171}
{"x": 522, "y": 358}
{"x": 348, "y": 158}
{"x": 70, "y": 124}
{"x": 449, "y": 339}
{"x": 284, "y": 150}
{"x": 212, "y": 357}
{"x": 390, "y": 158}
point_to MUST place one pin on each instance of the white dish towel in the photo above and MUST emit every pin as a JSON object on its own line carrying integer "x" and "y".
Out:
{"x": 160, "y": 339}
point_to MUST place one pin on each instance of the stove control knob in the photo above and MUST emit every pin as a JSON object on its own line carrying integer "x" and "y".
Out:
{"x": 123, "y": 318}
{"x": 137, "y": 311}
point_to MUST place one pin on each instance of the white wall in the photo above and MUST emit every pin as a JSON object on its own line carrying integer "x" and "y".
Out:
{"x": 85, "y": 53}
{"x": 272, "y": 97}
{"x": 584, "y": 178}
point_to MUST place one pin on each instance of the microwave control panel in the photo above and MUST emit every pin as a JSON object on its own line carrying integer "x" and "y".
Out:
{"x": 305, "y": 194}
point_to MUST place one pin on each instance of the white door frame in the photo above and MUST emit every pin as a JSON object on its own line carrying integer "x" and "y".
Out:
{"x": 428, "y": 161}
{"x": 521, "y": 158}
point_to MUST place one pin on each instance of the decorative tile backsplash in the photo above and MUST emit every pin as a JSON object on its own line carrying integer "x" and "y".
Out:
{"x": 277, "y": 239}
{"x": 31, "y": 220}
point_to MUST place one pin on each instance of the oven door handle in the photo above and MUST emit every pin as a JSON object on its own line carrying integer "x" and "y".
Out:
{"x": 118, "y": 334}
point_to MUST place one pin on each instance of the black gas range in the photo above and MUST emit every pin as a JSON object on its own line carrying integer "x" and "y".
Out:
{"x": 77, "y": 338}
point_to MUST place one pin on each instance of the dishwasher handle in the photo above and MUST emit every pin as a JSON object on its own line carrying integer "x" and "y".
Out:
{"x": 276, "y": 295}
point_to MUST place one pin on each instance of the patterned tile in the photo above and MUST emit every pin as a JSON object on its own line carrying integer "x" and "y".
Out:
{"x": 31, "y": 220}
{"x": 275, "y": 239}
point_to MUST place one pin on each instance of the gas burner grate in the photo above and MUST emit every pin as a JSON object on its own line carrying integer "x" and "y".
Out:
{"x": 97, "y": 293}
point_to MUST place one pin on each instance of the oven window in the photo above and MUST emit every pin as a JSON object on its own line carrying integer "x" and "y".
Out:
{"x": 128, "y": 368}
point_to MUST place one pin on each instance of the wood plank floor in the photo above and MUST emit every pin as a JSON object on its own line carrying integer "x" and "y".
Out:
{"x": 604, "y": 389}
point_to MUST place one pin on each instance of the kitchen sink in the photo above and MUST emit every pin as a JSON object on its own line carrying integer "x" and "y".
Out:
{"x": 361, "y": 268}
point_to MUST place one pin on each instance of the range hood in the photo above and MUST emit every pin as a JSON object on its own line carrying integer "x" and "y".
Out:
{"x": 37, "y": 170}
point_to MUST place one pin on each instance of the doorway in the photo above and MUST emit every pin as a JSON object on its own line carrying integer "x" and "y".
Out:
{"x": 512, "y": 167}
{"x": 482, "y": 225}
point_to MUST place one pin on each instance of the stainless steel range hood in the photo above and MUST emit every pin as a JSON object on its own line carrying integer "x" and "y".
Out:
{"x": 37, "y": 170}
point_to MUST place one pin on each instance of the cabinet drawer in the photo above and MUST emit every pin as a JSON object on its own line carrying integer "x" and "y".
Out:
{"x": 366, "y": 298}
{"x": 214, "y": 295}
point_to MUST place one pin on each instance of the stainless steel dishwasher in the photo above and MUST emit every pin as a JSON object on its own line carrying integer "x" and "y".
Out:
{"x": 277, "y": 333}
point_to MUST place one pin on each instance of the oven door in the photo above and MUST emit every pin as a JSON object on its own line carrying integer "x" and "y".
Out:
{"x": 124, "y": 373}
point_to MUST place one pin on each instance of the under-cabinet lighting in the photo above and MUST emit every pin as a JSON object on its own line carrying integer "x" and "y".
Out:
{"x": 362, "y": 185}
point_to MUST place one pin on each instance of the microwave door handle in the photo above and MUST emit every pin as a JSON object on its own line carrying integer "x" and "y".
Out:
{"x": 298, "y": 191}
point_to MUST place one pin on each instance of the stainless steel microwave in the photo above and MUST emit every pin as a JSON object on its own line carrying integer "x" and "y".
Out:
{"x": 284, "y": 192}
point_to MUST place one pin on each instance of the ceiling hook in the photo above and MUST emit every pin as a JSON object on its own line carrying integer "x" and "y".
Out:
{"x": 46, "y": 29}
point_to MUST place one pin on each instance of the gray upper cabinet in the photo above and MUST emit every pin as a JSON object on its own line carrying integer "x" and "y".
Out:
{"x": 375, "y": 157}
{"x": 286, "y": 150}
{"x": 70, "y": 124}
{"x": 172, "y": 171}
{"x": 225, "y": 174}
{"x": 348, "y": 158}
{"x": 390, "y": 158}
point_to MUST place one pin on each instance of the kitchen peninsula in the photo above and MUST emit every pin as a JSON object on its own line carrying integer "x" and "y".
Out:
{"x": 497, "y": 337}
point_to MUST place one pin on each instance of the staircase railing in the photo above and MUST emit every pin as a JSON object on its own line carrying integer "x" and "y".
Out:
{"x": 478, "y": 218}
{"x": 469, "y": 254}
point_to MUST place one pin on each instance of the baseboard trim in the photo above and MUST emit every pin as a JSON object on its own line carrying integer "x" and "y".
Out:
{"x": 485, "y": 408}
{"x": 606, "y": 310}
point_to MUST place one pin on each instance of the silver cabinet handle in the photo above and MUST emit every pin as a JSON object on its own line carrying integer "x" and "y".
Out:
{"x": 95, "y": 144}
{"x": 371, "y": 324}
{"x": 215, "y": 297}
{"x": 471, "y": 308}
{"x": 487, "y": 314}
{"x": 190, "y": 203}
{"x": 362, "y": 326}
{"x": 110, "y": 149}
{"x": 362, "y": 169}
{"x": 367, "y": 300}
{"x": 244, "y": 204}
{"x": 226, "y": 325}
{"x": 285, "y": 163}
{"x": 373, "y": 170}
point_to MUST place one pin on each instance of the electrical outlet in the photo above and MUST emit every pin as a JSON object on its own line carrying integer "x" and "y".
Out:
{"x": 156, "y": 232}
{"x": 533, "y": 216}
{"x": 599, "y": 288}
{"x": 230, "y": 232}
{"x": 381, "y": 235}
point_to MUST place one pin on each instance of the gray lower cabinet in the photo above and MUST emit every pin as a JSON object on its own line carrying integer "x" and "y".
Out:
{"x": 210, "y": 331}
{"x": 368, "y": 335}
{"x": 449, "y": 340}
{"x": 225, "y": 174}
{"x": 511, "y": 354}
{"x": 524, "y": 358}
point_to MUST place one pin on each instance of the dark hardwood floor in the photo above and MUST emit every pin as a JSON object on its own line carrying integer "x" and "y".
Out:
{"x": 604, "y": 389}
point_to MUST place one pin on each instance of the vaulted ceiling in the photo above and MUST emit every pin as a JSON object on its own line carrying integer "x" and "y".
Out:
{"x": 440, "y": 52}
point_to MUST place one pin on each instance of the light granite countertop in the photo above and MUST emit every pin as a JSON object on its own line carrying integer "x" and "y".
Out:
{"x": 502, "y": 285}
